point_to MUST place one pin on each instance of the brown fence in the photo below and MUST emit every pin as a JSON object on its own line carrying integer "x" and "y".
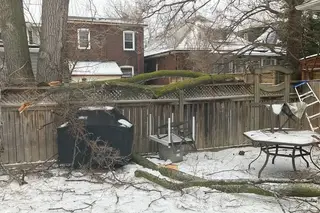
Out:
{"x": 220, "y": 122}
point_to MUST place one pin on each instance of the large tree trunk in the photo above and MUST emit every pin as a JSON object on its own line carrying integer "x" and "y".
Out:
{"x": 15, "y": 42}
{"x": 52, "y": 64}
{"x": 294, "y": 36}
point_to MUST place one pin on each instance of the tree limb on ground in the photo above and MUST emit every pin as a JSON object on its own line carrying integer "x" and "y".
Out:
{"x": 284, "y": 189}
{"x": 299, "y": 188}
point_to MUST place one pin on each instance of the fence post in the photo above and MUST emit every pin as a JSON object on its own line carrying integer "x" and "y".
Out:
{"x": 256, "y": 114}
{"x": 181, "y": 105}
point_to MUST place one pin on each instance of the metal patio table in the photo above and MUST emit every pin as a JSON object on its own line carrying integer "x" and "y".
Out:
{"x": 273, "y": 143}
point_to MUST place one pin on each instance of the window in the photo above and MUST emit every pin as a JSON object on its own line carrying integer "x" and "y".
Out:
{"x": 30, "y": 37}
{"x": 128, "y": 40}
{"x": 127, "y": 71}
{"x": 84, "y": 38}
{"x": 268, "y": 61}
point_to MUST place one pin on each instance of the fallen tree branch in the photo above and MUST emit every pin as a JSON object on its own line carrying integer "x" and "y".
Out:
{"x": 189, "y": 83}
{"x": 161, "y": 74}
{"x": 171, "y": 173}
{"x": 245, "y": 188}
{"x": 184, "y": 177}
{"x": 288, "y": 190}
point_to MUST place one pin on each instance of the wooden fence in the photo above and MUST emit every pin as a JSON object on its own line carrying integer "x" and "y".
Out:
{"x": 220, "y": 122}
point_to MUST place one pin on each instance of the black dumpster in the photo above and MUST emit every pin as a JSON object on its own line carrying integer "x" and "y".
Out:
{"x": 104, "y": 123}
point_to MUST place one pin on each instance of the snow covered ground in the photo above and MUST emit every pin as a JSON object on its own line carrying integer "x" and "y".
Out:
{"x": 58, "y": 191}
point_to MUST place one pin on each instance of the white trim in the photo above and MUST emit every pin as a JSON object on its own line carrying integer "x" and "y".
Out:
{"x": 128, "y": 66}
{"x": 89, "y": 42}
{"x": 271, "y": 59}
{"x": 133, "y": 41}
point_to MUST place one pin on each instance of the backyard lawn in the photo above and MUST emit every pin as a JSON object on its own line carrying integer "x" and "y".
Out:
{"x": 57, "y": 190}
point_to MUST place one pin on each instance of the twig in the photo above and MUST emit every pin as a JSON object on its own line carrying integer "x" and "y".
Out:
{"x": 41, "y": 127}
{"x": 280, "y": 204}
{"x": 162, "y": 197}
{"x": 73, "y": 210}
{"x": 84, "y": 180}
{"x": 117, "y": 198}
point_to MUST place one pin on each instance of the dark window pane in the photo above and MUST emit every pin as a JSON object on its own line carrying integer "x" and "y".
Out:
{"x": 128, "y": 45}
{"x": 128, "y": 40}
{"x": 126, "y": 72}
{"x": 30, "y": 37}
{"x": 84, "y": 38}
{"x": 128, "y": 36}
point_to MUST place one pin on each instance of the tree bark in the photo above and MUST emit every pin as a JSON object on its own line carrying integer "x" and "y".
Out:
{"x": 287, "y": 189}
{"x": 294, "y": 36}
{"x": 15, "y": 42}
{"x": 52, "y": 64}
{"x": 174, "y": 174}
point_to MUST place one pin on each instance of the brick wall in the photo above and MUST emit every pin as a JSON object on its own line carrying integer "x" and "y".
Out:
{"x": 106, "y": 44}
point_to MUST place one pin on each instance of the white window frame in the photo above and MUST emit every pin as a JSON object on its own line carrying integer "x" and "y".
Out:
{"x": 89, "y": 42}
{"x": 133, "y": 41}
{"x": 271, "y": 59}
{"x": 126, "y": 67}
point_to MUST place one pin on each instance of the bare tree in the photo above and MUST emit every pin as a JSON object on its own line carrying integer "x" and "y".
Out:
{"x": 14, "y": 36}
{"x": 281, "y": 16}
{"x": 51, "y": 62}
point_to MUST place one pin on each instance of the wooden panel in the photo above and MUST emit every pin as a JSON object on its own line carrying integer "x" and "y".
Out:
{"x": 5, "y": 138}
{"x": 41, "y": 121}
{"x": 12, "y": 142}
{"x": 19, "y": 136}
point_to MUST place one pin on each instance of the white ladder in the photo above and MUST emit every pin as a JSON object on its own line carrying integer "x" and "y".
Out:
{"x": 311, "y": 99}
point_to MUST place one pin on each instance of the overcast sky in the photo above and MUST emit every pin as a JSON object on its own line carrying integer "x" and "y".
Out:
{"x": 97, "y": 8}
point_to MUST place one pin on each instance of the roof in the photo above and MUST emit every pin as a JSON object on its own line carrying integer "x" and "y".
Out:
{"x": 90, "y": 68}
{"x": 309, "y": 5}
{"x": 269, "y": 36}
{"x": 201, "y": 35}
{"x": 310, "y": 56}
{"x": 113, "y": 21}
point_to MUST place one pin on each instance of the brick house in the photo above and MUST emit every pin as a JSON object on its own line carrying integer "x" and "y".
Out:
{"x": 92, "y": 40}
{"x": 198, "y": 46}
{"x": 106, "y": 40}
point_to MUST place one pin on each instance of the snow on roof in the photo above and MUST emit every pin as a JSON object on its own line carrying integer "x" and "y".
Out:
{"x": 309, "y": 5}
{"x": 192, "y": 36}
{"x": 90, "y": 68}
{"x": 310, "y": 56}
{"x": 269, "y": 37}
{"x": 105, "y": 20}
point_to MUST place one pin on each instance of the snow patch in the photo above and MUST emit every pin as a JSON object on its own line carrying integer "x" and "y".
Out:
{"x": 125, "y": 123}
